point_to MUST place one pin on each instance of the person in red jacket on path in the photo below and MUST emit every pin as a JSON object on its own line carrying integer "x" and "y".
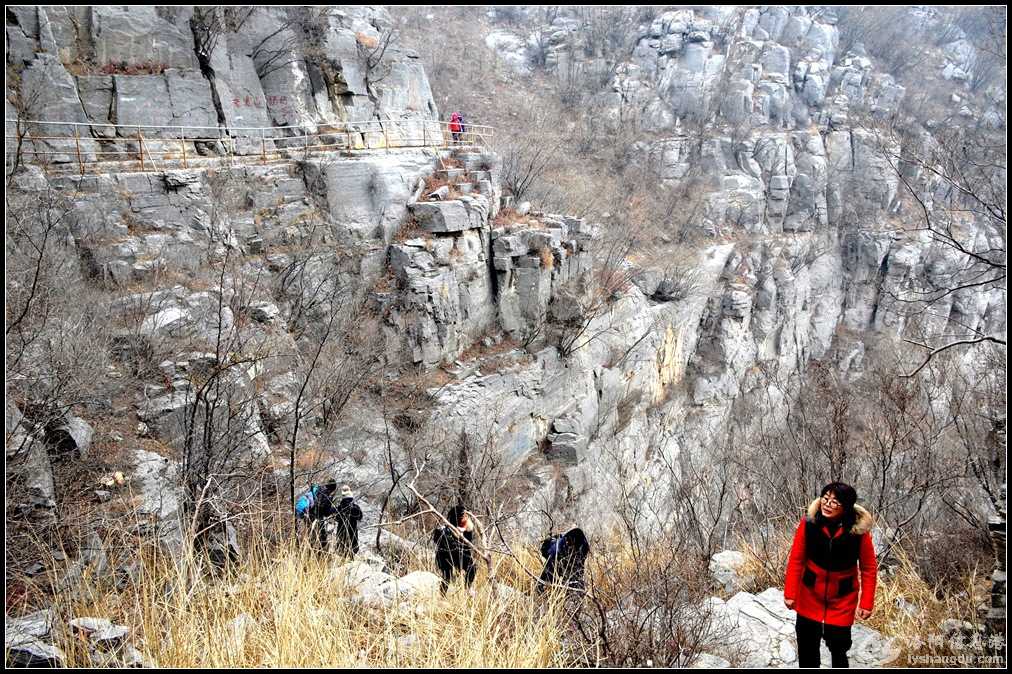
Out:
{"x": 832, "y": 562}
{"x": 456, "y": 126}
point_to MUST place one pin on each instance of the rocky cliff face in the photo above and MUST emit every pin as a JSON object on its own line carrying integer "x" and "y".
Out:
{"x": 812, "y": 237}
{"x": 784, "y": 136}
{"x": 229, "y": 74}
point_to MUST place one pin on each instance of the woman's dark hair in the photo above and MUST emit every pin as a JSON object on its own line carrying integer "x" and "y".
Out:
{"x": 455, "y": 514}
{"x": 577, "y": 540}
{"x": 847, "y": 496}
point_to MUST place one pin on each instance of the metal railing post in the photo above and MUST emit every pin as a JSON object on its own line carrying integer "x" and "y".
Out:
{"x": 140, "y": 147}
{"x": 77, "y": 141}
{"x": 263, "y": 146}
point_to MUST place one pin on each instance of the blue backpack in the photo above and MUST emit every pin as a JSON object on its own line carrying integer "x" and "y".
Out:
{"x": 306, "y": 502}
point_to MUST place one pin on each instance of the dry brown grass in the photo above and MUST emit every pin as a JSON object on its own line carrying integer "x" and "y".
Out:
{"x": 299, "y": 615}
{"x": 409, "y": 229}
{"x": 478, "y": 350}
{"x": 367, "y": 41}
{"x": 435, "y": 181}
{"x": 508, "y": 218}
{"x": 547, "y": 258}
{"x": 905, "y": 587}
{"x": 83, "y": 67}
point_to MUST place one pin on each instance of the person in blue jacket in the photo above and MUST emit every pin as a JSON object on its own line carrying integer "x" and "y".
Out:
{"x": 565, "y": 556}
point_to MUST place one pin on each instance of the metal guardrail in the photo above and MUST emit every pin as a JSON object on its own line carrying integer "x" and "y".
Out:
{"x": 66, "y": 145}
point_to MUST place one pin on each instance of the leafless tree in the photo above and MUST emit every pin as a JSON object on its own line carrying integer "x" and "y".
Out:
{"x": 280, "y": 48}
{"x": 25, "y": 98}
{"x": 209, "y": 24}
{"x": 582, "y": 311}
{"x": 643, "y": 609}
{"x": 883, "y": 433}
{"x": 608, "y": 32}
{"x": 378, "y": 62}
{"x": 54, "y": 327}
{"x": 526, "y": 160}
{"x": 647, "y": 580}
{"x": 958, "y": 180}
{"x": 885, "y": 34}
{"x": 540, "y": 44}
{"x": 341, "y": 354}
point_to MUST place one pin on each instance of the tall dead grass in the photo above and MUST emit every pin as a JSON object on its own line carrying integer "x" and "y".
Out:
{"x": 285, "y": 607}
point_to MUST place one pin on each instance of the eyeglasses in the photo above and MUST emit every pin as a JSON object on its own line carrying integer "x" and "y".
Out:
{"x": 831, "y": 502}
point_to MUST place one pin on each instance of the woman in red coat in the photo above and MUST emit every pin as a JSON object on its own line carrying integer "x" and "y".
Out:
{"x": 456, "y": 126}
{"x": 831, "y": 573}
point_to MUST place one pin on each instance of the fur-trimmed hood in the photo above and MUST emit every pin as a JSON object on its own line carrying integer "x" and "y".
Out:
{"x": 862, "y": 524}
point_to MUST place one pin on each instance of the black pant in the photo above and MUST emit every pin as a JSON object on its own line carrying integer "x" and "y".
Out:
{"x": 318, "y": 534}
{"x": 469, "y": 573}
{"x": 811, "y": 633}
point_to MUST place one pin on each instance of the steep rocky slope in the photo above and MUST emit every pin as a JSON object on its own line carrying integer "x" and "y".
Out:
{"x": 577, "y": 374}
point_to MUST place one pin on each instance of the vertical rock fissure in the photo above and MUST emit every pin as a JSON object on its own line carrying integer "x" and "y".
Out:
{"x": 207, "y": 70}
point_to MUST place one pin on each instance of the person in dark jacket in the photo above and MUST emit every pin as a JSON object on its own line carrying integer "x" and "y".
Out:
{"x": 452, "y": 553}
{"x": 831, "y": 574}
{"x": 565, "y": 555}
{"x": 322, "y": 508}
{"x": 348, "y": 515}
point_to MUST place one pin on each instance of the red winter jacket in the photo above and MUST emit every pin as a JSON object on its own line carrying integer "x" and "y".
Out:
{"x": 455, "y": 123}
{"x": 823, "y": 571}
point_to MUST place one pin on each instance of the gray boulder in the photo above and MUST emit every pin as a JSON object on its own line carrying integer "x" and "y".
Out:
{"x": 776, "y": 62}
{"x": 439, "y": 194}
{"x": 97, "y": 94}
{"x": 726, "y": 570}
{"x": 156, "y": 479}
{"x": 447, "y": 216}
{"x": 100, "y": 631}
{"x": 761, "y": 627}
{"x": 70, "y": 435}
{"x": 92, "y": 560}
{"x": 367, "y": 197}
{"x": 26, "y": 641}
{"x": 709, "y": 661}
{"x": 415, "y": 586}
{"x": 51, "y": 94}
{"x": 28, "y": 462}
{"x": 365, "y": 581}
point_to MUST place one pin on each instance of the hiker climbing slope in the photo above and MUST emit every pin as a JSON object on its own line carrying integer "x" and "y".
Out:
{"x": 348, "y": 515}
{"x": 452, "y": 553}
{"x": 315, "y": 506}
{"x": 565, "y": 556}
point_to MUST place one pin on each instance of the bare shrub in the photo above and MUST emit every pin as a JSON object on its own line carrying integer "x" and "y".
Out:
{"x": 885, "y": 34}
{"x": 644, "y": 608}
{"x": 55, "y": 327}
{"x": 526, "y": 160}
